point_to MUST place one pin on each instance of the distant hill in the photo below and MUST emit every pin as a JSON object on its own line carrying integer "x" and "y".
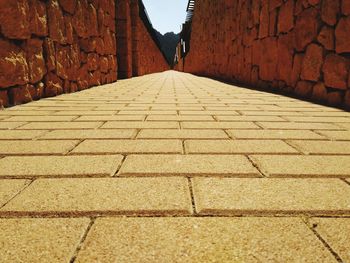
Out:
{"x": 168, "y": 42}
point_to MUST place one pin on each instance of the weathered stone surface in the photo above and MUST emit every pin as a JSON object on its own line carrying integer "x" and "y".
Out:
{"x": 335, "y": 71}
{"x": 20, "y": 95}
{"x": 326, "y": 38}
{"x": 312, "y": 63}
{"x": 306, "y": 28}
{"x": 68, "y": 5}
{"x": 269, "y": 58}
{"x": 286, "y": 17}
{"x": 13, "y": 65}
{"x": 38, "y": 18}
{"x": 342, "y": 35}
{"x": 329, "y": 11}
{"x": 14, "y": 19}
{"x": 53, "y": 85}
{"x": 50, "y": 54}
{"x": 35, "y": 59}
{"x": 56, "y": 22}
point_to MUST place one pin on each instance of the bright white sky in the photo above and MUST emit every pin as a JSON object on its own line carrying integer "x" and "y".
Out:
{"x": 166, "y": 15}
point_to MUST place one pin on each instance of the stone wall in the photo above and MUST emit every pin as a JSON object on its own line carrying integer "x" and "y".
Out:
{"x": 50, "y": 47}
{"x": 55, "y": 46}
{"x": 297, "y": 46}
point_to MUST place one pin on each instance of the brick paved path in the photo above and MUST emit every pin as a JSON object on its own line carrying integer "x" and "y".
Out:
{"x": 174, "y": 168}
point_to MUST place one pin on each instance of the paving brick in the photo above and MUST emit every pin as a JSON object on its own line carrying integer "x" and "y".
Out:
{"x": 147, "y": 112}
{"x": 89, "y": 134}
{"x": 10, "y": 125}
{"x": 19, "y": 134}
{"x": 230, "y": 113}
{"x": 336, "y": 232}
{"x": 56, "y": 166}
{"x": 60, "y": 125}
{"x": 202, "y": 240}
{"x": 36, "y": 239}
{"x": 322, "y": 147}
{"x": 41, "y": 118}
{"x": 299, "y": 126}
{"x": 85, "y": 113}
{"x": 275, "y": 134}
{"x": 319, "y": 119}
{"x": 272, "y": 113}
{"x": 9, "y": 188}
{"x": 336, "y": 135}
{"x": 238, "y": 146}
{"x": 182, "y": 134}
{"x": 163, "y": 196}
{"x": 129, "y": 146}
{"x": 179, "y": 118}
{"x": 219, "y": 125}
{"x": 344, "y": 125}
{"x": 36, "y": 147}
{"x": 140, "y": 125}
{"x": 249, "y": 118}
{"x": 303, "y": 166}
{"x": 237, "y": 196}
{"x": 112, "y": 118}
{"x": 28, "y": 112}
{"x": 146, "y": 165}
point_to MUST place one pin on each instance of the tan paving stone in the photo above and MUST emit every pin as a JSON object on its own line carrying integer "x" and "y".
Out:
{"x": 89, "y": 134}
{"x": 299, "y": 126}
{"x": 41, "y": 118}
{"x": 179, "y": 118}
{"x": 112, "y": 118}
{"x": 9, "y": 188}
{"x": 322, "y": 147}
{"x": 147, "y": 112}
{"x": 275, "y": 134}
{"x": 140, "y": 125}
{"x": 238, "y": 146}
{"x": 236, "y": 196}
{"x": 163, "y": 196}
{"x": 344, "y": 125}
{"x": 249, "y": 118}
{"x": 319, "y": 119}
{"x": 10, "y": 125}
{"x": 19, "y": 134}
{"x": 182, "y": 134}
{"x": 34, "y": 240}
{"x": 36, "y": 147}
{"x": 271, "y": 113}
{"x": 229, "y": 165}
{"x": 60, "y": 125}
{"x": 303, "y": 166}
{"x": 202, "y": 240}
{"x": 28, "y": 112}
{"x": 219, "y": 125}
{"x": 230, "y": 113}
{"x": 56, "y": 166}
{"x": 336, "y": 135}
{"x": 129, "y": 146}
{"x": 336, "y": 232}
{"x": 85, "y": 113}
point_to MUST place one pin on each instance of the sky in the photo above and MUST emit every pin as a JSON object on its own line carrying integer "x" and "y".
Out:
{"x": 166, "y": 15}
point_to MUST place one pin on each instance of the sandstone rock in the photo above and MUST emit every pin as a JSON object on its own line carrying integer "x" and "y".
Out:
{"x": 50, "y": 54}
{"x": 286, "y": 17}
{"x": 57, "y": 28}
{"x": 336, "y": 69}
{"x": 312, "y": 63}
{"x": 264, "y": 21}
{"x": 14, "y": 19}
{"x": 326, "y": 37}
{"x": 304, "y": 89}
{"x": 68, "y": 5}
{"x": 306, "y": 28}
{"x": 335, "y": 98}
{"x": 38, "y": 18}
{"x": 295, "y": 74}
{"x": 342, "y": 35}
{"x": 104, "y": 67}
{"x": 4, "y": 100}
{"x": 269, "y": 58}
{"x": 20, "y": 94}
{"x": 79, "y": 19}
{"x": 345, "y": 7}
{"x": 37, "y": 91}
{"x": 92, "y": 61}
{"x": 285, "y": 57}
{"x": 35, "y": 59}
{"x": 13, "y": 65}
{"x": 62, "y": 61}
{"x": 319, "y": 92}
{"x": 69, "y": 30}
{"x": 53, "y": 85}
{"x": 92, "y": 23}
{"x": 74, "y": 62}
{"x": 329, "y": 11}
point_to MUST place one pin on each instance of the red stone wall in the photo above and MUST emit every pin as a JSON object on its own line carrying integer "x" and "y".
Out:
{"x": 147, "y": 57}
{"x": 297, "y": 46}
{"x": 55, "y": 46}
